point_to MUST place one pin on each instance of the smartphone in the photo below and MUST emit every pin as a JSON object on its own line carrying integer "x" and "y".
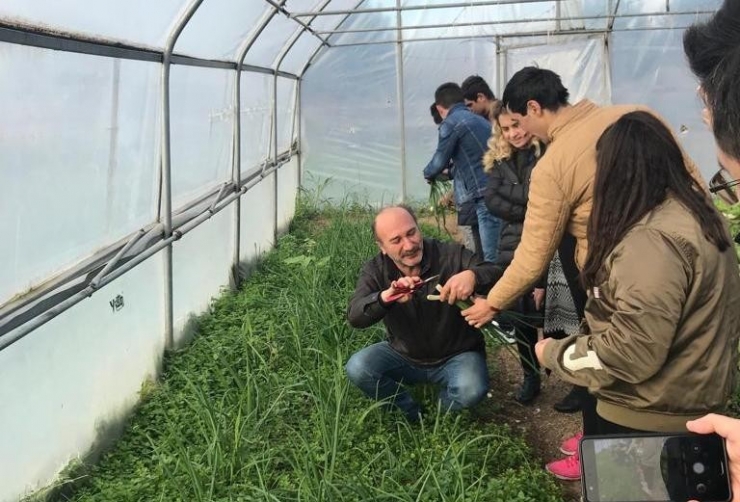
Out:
{"x": 655, "y": 468}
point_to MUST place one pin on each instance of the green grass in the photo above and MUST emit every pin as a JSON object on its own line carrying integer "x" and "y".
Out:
{"x": 258, "y": 407}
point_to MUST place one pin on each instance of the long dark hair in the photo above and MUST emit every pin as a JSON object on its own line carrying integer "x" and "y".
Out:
{"x": 638, "y": 164}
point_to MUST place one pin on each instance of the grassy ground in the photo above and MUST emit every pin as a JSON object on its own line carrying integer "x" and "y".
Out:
{"x": 258, "y": 406}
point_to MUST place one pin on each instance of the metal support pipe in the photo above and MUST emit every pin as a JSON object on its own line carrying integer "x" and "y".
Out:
{"x": 497, "y": 22}
{"x": 424, "y": 6}
{"x": 105, "y": 279}
{"x": 533, "y": 34}
{"x": 166, "y": 168}
{"x": 499, "y": 73}
{"x": 315, "y": 54}
{"x": 220, "y": 193}
{"x": 113, "y": 142}
{"x": 236, "y": 177}
{"x": 400, "y": 100}
{"x": 299, "y": 126}
{"x": 95, "y": 283}
{"x": 306, "y": 27}
{"x": 275, "y": 158}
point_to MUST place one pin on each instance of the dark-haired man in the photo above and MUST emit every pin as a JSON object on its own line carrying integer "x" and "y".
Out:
{"x": 463, "y": 138}
{"x": 560, "y": 193}
{"x": 427, "y": 341}
{"x": 479, "y": 97}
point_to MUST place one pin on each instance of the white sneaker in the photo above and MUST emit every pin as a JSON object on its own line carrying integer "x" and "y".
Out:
{"x": 507, "y": 335}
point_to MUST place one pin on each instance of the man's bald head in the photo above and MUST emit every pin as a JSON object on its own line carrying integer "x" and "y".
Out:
{"x": 391, "y": 212}
{"x": 398, "y": 236}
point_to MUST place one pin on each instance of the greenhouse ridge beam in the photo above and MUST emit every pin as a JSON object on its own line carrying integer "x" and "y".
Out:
{"x": 517, "y": 35}
{"x": 609, "y": 18}
{"x": 306, "y": 27}
{"x": 67, "y": 42}
{"x": 420, "y": 7}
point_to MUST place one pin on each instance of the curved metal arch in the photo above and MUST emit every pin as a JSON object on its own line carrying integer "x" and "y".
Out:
{"x": 165, "y": 197}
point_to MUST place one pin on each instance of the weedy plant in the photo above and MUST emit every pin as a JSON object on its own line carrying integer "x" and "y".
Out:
{"x": 258, "y": 407}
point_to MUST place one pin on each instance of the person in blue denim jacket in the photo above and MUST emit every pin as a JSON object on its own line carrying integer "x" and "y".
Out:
{"x": 463, "y": 136}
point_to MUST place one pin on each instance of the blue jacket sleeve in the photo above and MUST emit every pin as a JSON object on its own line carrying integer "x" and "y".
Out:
{"x": 445, "y": 146}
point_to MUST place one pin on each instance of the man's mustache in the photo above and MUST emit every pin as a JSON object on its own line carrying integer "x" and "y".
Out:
{"x": 410, "y": 253}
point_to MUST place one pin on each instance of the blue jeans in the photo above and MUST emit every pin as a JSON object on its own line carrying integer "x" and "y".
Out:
{"x": 380, "y": 372}
{"x": 489, "y": 228}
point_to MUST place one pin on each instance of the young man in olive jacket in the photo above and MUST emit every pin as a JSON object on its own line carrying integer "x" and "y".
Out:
{"x": 427, "y": 341}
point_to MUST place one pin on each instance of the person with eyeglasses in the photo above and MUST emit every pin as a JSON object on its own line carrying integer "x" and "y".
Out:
{"x": 713, "y": 51}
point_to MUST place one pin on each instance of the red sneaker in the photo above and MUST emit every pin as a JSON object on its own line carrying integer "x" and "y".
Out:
{"x": 568, "y": 468}
{"x": 570, "y": 445}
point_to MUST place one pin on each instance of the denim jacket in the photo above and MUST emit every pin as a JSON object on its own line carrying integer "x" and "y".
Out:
{"x": 462, "y": 137}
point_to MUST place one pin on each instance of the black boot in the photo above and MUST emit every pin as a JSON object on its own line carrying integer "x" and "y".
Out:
{"x": 572, "y": 401}
{"x": 530, "y": 388}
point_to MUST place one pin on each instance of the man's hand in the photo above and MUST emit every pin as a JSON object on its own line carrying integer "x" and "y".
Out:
{"x": 458, "y": 287}
{"x": 728, "y": 428}
{"x": 539, "y": 298}
{"x": 539, "y": 350}
{"x": 480, "y": 314}
{"x": 400, "y": 290}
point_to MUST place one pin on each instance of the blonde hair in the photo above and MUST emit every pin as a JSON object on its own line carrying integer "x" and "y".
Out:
{"x": 498, "y": 148}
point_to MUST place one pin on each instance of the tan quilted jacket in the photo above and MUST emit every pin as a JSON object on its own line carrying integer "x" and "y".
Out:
{"x": 560, "y": 195}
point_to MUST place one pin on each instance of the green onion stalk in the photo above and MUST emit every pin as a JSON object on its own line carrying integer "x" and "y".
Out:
{"x": 439, "y": 190}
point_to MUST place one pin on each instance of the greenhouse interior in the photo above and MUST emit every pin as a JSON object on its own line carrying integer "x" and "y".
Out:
{"x": 160, "y": 150}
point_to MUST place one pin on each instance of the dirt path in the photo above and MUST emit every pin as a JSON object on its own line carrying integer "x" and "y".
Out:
{"x": 542, "y": 427}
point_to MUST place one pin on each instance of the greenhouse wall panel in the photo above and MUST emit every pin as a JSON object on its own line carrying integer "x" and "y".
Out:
{"x": 649, "y": 68}
{"x": 287, "y": 189}
{"x": 257, "y": 222}
{"x": 350, "y": 124}
{"x": 71, "y": 383}
{"x": 79, "y": 133}
{"x": 286, "y": 89}
{"x": 580, "y": 64}
{"x": 256, "y": 96}
{"x": 201, "y": 266}
{"x": 202, "y": 130}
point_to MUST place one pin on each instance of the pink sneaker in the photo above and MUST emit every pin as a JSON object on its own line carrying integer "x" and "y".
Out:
{"x": 568, "y": 468}
{"x": 570, "y": 445}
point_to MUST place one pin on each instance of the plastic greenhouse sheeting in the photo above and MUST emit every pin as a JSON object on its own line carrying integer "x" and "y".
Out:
{"x": 142, "y": 172}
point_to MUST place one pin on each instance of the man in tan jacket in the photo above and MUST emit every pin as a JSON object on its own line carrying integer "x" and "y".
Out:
{"x": 561, "y": 189}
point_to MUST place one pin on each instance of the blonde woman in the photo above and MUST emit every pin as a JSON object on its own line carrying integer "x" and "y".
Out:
{"x": 511, "y": 156}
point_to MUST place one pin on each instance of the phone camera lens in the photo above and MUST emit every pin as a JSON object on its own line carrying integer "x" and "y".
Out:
{"x": 701, "y": 488}
{"x": 698, "y": 468}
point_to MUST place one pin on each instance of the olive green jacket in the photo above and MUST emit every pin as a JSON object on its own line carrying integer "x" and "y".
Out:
{"x": 661, "y": 346}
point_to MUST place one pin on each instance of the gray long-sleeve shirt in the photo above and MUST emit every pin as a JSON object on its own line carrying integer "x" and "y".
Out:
{"x": 426, "y": 332}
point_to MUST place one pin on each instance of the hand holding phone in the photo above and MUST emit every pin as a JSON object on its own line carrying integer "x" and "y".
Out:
{"x": 655, "y": 468}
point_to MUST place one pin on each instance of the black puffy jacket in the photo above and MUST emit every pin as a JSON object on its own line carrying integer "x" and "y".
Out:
{"x": 506, "y": 197}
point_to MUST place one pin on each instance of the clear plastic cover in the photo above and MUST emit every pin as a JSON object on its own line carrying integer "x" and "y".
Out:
{"x": 649, "y": 68}
{"x": 256, "y": 100}
{"x": 137, "y": 21}
{"x": 350, "y": 123}
{"x": 218, "y": 28}
{"x": 80, "y": 144}
{"x": 201, "y": 123}
{"x": 580, "y": 62}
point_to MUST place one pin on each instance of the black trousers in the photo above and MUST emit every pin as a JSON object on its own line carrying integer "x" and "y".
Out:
{"x": 567, "y": 251}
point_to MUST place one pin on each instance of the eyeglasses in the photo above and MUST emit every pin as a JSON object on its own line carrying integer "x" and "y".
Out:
{"x": 722, "y": 188}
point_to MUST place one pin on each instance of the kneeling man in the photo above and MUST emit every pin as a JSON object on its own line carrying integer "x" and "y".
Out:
{"x": 427, "y": 341}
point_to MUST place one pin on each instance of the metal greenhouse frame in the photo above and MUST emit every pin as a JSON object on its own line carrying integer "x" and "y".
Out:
{"x": 317, "y": 30}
